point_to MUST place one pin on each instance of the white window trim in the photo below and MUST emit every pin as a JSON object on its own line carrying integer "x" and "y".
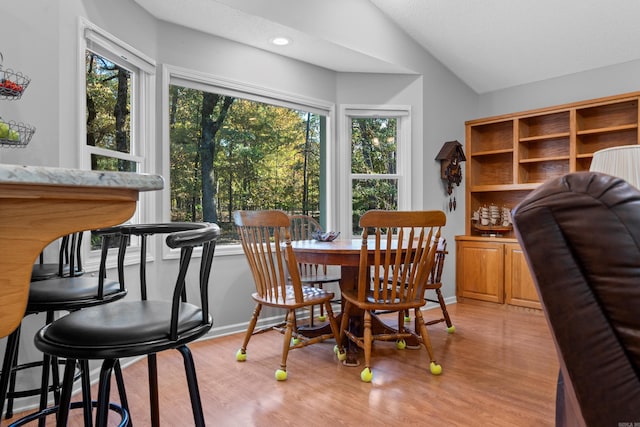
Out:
{"x": 403, "y": 171}
{"x": 209, "y": 82}
{"x": 142, "y": 123}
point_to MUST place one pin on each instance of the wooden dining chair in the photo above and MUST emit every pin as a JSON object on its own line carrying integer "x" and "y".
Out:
{"x": 404, "y": 248}
{"x": 302, "y": 228}
{"x": 434, "y": 283}
{"x": 266, "y": 241}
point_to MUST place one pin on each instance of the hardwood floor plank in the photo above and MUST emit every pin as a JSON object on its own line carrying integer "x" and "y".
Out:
{"x": 499, "y": 369}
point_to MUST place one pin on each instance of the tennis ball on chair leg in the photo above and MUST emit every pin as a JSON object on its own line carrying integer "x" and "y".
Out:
{"x": 281, "y": 375}
{"x": 435, "y": 368}
{"x": 241, "y": 356}
{"x": 401, "y": 344}
{"x": 366, "y": 375}
{"x": 341, "y": 356}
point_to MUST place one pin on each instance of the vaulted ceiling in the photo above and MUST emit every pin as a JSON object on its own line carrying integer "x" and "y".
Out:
{"x": 489, "y": 44}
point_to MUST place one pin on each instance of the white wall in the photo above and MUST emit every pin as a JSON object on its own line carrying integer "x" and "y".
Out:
{"x": 601, "y": 82}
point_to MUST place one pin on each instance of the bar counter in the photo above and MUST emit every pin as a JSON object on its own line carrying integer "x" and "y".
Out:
{"x": 40, "y": 204}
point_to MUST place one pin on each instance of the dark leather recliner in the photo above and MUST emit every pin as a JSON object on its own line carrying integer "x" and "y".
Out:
{"x": 580, "y": 235}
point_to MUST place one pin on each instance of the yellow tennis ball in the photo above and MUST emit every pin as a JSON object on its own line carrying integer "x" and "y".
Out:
{"x": 341, "y": 356}
{"x": 322, "y": 318}
{"x": 435, "y": 368}
{"x": 401, "y": 344}
{"x": 366, "y": 375}
{"x": 241, "y": 356}
{"x": 451, "y": 329}
{"x": 281, "y": 375}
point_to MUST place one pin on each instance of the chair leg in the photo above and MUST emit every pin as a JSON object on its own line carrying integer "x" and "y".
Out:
{"x": 124, "y": 402}
{"x": 9, "y": 356}
{"x": 8, "y": 372}
{"x": 321, "y": 286}
{"x": 344, "y": 321}
{"x": 335, "y": 329}
{"x": 152, "y": 364}
{"x": 368, "y": 338}
{"x": 288, "y": 333}
{"x": 422, "y": 330}
{"x": 311, "y": 315}
{"x": 47, "y": 360}
{"x": 104, "y": 388}
{"x": 192, "y": 382}
{"x": 65, "y": 396}
{"x": 55, "y": 379}
{"x": 251, "y": 327}
{"x": 443, "y": 306}
{"x": 55, "y": 374}
{"x": 86, "y": 392}
{"x": 401, "y": 316}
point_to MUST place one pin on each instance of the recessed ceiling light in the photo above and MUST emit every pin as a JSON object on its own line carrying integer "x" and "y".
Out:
{"x": 280, "y": 41}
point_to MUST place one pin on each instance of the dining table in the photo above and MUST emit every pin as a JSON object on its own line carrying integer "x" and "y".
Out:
{"x": 346, "y": 254}
{"x": 39, "y": 204}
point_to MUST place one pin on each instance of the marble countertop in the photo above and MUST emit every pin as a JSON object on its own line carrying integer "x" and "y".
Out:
{"x": 19, "y": 174}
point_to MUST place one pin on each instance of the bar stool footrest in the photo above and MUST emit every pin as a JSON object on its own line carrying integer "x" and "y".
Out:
{"x": 124, "y": 414}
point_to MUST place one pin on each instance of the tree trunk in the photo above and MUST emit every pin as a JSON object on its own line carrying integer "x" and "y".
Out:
{"x": 208, "y": 150}
{"x": 121, "y": 113}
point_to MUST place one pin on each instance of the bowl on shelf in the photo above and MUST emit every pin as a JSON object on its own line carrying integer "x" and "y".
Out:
{"x": 325, "y": 236}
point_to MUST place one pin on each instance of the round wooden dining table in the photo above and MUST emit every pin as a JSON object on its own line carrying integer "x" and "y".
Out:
{"x": 346, "y": 254}
{"x": 342, "y": 252}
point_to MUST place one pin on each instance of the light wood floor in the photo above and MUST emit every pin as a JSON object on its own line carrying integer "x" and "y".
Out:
{"x": 499, "y": 369}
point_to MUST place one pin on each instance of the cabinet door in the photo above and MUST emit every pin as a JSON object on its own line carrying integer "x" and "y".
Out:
{"x": 519, "y": 287}
{"x": 480, "y": 270}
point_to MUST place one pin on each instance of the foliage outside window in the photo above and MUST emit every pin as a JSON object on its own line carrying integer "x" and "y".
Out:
{"x": 118, "y": 98}
{"x": 229, "y": 153}
{"x": 374, "y": 169}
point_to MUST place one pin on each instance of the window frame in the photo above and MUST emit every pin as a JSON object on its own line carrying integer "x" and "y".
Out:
{"x": 142, "y": 123}
{"x": 403, "y": 166}
{"x": 172, "y": 74}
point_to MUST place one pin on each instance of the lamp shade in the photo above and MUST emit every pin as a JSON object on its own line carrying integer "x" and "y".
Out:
{"x": 622, "y": 161}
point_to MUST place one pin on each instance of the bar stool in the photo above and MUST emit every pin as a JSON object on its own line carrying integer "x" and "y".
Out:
{"x": 142, "y": 326}
{"x": 68, "y": 290}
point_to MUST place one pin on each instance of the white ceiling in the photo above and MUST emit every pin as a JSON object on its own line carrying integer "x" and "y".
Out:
{"x": 489, "y": 44}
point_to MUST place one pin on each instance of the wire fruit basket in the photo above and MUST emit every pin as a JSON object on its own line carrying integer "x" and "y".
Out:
{"x": 13, "y": 134}
{"x": 12, "y": 84}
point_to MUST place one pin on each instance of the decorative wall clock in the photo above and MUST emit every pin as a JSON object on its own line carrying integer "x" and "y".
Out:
{"x": 451, "y": 156}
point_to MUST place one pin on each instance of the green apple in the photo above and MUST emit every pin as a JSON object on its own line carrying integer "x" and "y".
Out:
{"x": 14, "y": 135}
{"x": 4, "y": 130}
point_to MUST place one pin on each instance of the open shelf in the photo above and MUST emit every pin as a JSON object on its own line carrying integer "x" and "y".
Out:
{"x": 510, "y": 155}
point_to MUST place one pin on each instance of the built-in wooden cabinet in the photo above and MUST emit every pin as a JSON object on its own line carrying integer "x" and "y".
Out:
{"x": 493, "y": 270}
{"x": 510, "y": 155}
{"x": 518, "y": 283}
{"x": 480, "y": 269}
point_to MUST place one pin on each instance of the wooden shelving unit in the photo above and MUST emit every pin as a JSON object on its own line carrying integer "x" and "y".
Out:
{"x": 510, "y": 155}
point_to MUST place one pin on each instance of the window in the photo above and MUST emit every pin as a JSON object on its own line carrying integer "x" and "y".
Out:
{"x": 379, "y": 160}
{"x": 117, "y": 89}
{"x": 234, "y": 147}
